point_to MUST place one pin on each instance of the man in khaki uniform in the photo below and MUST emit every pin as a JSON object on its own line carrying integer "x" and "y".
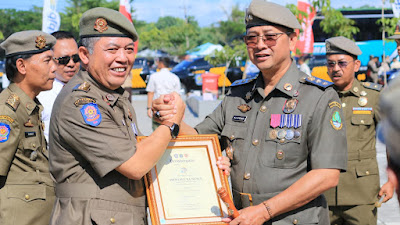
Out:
{"x": 26, "y": 188}
{"x": 94, "y": 155}
{"x": 352, "y": 201}
{"x": 390, "y": 125}
{"x": 282, "y": 130}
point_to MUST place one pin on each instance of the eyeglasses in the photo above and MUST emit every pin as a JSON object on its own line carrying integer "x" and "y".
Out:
{"x": 341, "y": 64}
{"x": 65, "y": 59}
{"x": 268, "y": 39}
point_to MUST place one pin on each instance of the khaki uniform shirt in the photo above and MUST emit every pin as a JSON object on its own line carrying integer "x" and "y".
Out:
{"x": 26, "y": 189}
{"x": 264, "y": 165}
{"x": 93, "y": 131}
{"x": 360, "y": 184}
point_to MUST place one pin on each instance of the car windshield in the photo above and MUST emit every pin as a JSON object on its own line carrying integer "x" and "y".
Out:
{"x": 182, "y": 65}
{"x": 139, "y": 63}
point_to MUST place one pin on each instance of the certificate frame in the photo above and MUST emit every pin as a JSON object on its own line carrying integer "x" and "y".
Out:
{"x": 186, "y": 213}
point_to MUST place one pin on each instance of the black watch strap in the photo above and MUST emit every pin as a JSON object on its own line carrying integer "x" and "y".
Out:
{"x": 173, "y": 127}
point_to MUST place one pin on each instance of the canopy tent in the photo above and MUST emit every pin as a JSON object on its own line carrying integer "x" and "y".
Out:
{"x": 147, "y": 53}
{"x": 203, "y": 50}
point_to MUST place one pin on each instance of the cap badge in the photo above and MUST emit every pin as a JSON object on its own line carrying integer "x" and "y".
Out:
{"x": 328, "y": 47}
{"x": 100, "y": 25}
{"x": 40, "y": 42}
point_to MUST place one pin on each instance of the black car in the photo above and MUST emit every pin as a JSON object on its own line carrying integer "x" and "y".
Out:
{"x": 189, "y": 72}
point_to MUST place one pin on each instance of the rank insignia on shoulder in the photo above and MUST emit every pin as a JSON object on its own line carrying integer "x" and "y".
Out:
{"x": 83, "y": 101}
{"x": 336, "y": 121}
{"x": 373, "y": 86}
{"x": 4, "y": 132}
{"x": 318, "y": 82}
{"x": 85, "y": 86}
{"x": 13, "y": 101}
{"x": 335, "y": 104}
{"x": 91, "y": 114}
{"x": 243, "y": 81}
{"x": 9, "y": 119}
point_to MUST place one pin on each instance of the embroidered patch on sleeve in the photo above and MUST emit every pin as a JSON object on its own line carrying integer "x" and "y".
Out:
{"x": 91, "y": 114}
{"x": 336, "y": 121}
{"x": 4, "y": 132}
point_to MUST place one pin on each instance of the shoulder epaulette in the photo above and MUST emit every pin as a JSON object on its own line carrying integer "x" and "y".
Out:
{"x": 85, "y": 86}
{"x": 373, "y": 86}
{"x": 318, "y": 82}
{"x": 13, "y": 101}
{"x": 243, "y": 81}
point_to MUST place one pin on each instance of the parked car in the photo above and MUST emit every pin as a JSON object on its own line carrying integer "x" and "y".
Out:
{"x": 146, "y": 65}
{"x": 189, "y": 72}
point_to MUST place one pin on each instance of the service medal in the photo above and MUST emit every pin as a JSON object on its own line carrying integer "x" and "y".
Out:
{"x": 362, "y": 101}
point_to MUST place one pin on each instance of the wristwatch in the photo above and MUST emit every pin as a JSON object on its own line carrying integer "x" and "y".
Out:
{"x": 173, "y": 127}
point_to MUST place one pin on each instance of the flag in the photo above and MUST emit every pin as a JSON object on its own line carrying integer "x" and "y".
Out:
{"x": 306, "y": 38}
{"x": 125, "y": 9}
{"x": 396, "y": 8}
{"x": 51, "y": 19}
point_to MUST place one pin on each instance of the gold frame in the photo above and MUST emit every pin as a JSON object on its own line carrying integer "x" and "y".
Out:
{"x": 155, "y": 200}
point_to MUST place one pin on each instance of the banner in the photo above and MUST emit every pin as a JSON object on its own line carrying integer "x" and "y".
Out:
{"x": 396, "y": 8}
{"x": 51, "y": 19}
{"x": 125, "y": 9}
{"x": 306, "y": 38}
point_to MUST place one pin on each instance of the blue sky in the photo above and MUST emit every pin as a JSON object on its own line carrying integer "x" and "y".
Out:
{"x": 206, "y": 12}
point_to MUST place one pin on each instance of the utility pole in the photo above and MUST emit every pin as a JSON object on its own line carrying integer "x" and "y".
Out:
{"x": 383, "y": 42}
{"x": 187, "y": 22}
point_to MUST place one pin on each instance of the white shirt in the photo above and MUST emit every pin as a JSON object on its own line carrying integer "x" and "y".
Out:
{"x": 163, "y": 82}
{"x": 47, "y": 99}
{"x": 304, "y": 67}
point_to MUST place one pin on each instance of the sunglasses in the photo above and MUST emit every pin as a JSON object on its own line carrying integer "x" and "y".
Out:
{"x": 341, "y": 64}
{"x": 65, "y": 59}
{"x": 268, "y": 39}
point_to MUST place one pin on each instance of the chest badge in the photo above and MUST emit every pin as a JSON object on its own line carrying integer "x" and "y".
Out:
{"x": 362, "y": 101}
{"x": 248, "y": 95}
{"x": 28, "y": 123}
{"x": 363, "y": 93}
{"x": 288, "y": 86}
{"x": 290, "y": 105}
{"x": 244, "y": 108}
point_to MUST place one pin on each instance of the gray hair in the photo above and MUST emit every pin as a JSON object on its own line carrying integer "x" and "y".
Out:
{"x": 89, "y": 42}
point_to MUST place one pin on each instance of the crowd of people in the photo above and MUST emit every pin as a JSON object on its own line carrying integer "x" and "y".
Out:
{"x": 299, "y": 149}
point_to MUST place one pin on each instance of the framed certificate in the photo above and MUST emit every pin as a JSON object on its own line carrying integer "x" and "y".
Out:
{"x": 182, "y": 187}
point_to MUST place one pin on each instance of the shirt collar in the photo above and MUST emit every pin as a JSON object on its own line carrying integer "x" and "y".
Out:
{"x": 289, "y": 83}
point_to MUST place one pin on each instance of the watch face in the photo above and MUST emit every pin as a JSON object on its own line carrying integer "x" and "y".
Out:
{"x": 174, "y": 130}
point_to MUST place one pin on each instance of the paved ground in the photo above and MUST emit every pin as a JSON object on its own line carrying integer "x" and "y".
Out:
{"x": 388, "y": 214}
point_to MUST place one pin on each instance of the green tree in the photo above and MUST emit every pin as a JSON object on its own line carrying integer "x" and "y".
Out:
{"x": 12, "y": 20}
{"x": 233, "y": 28}
{"x": 70, "y": 19}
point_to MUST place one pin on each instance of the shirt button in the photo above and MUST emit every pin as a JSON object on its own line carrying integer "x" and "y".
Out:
{"x": 367, "y": 172}
{"x": 27, "y": 197}
{"x": 112, "y": 220}
{"x": 247, "y": 176}
{"x": 343, "y": 104}
{"x": 362, "y": 121}
{"x": 34, "y": 145}
{"x": 263, "y": 108}
{"x": 295, "y": 221}
{"x": 280, "y": 155}
{"x": 255, "y": 142}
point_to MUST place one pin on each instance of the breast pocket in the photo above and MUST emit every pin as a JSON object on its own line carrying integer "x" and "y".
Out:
{"x": 363, "y": 124}
{"x": 282, "y": 153}
{"x": 233, "y": 136}
{"x": 30, "y": 147}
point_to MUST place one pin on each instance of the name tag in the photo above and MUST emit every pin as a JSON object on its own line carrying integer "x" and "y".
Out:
{"x": 240, "y": 119}
{"x": 30, "y": 134}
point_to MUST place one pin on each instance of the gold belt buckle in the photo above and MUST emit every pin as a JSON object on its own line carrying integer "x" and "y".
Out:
{"x": 250, "y": 198}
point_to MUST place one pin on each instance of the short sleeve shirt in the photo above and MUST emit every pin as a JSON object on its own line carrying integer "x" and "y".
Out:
{"x": 163, "y": 82}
